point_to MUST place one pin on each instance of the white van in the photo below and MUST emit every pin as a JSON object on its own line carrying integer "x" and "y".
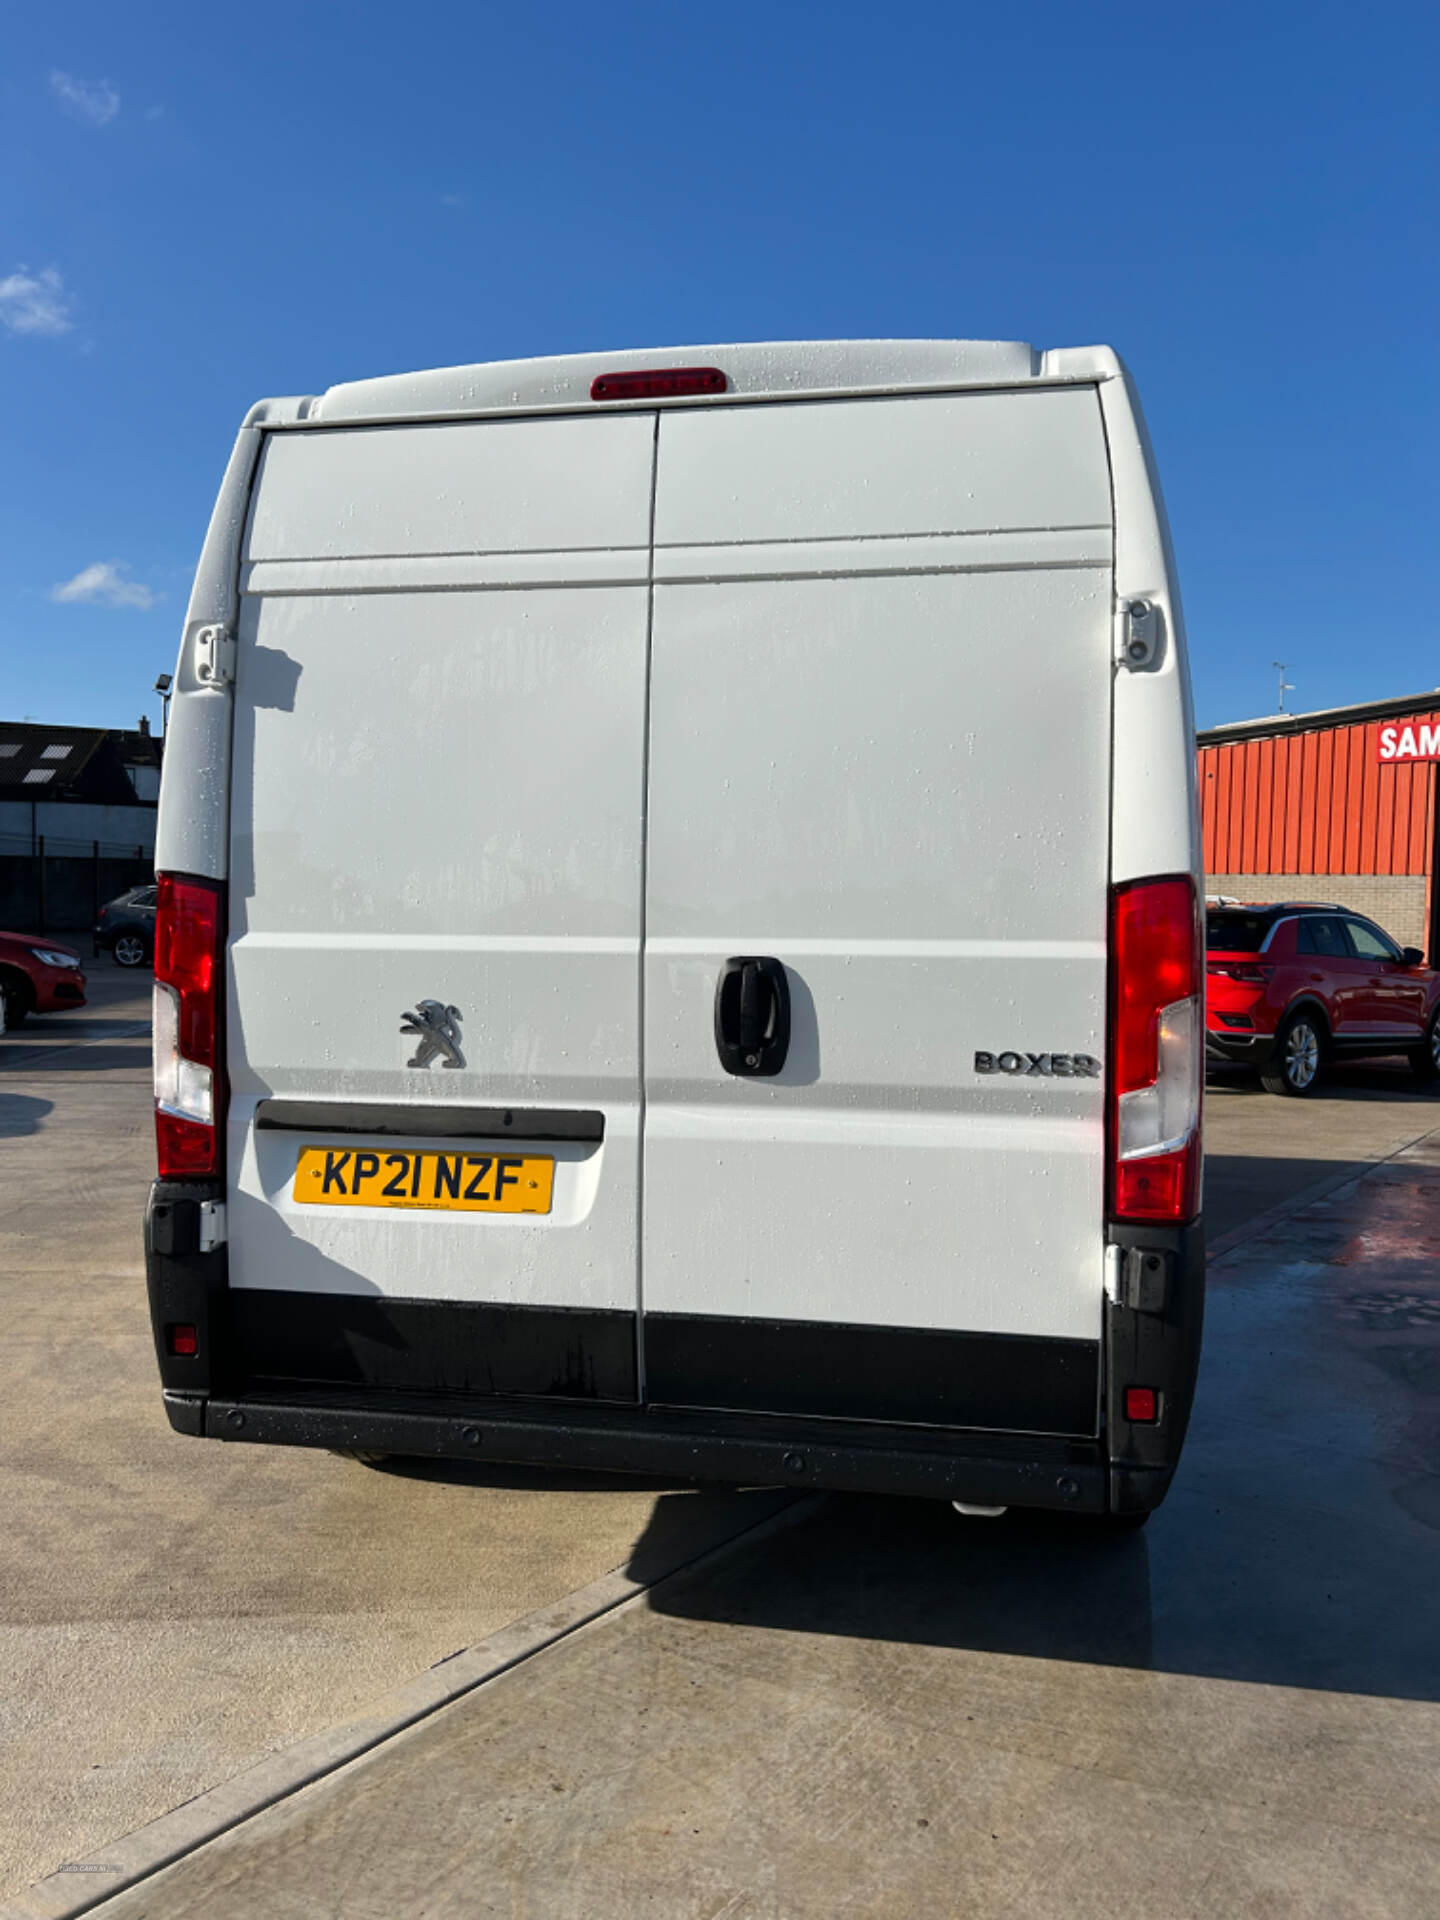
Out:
{"x": 679, "y": 940}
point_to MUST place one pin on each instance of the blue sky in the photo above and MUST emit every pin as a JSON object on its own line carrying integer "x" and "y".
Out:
{"x": 199, "y": 207}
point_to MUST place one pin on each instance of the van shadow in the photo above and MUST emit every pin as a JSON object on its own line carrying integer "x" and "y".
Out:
{"x": 865, "y": 1568}
{"x": 494, "y": 1473}
{"x": 802, "y": 1058}
{"x": 1270, "y": 1596}
{"x": 684, "y": 1521}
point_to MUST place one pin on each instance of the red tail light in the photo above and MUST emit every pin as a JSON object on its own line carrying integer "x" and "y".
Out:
{"x": 657, "y": 383}
{"x": 1156, "y": 1041}
{"x": 1252, "y": 973}
{"x": 189, "y": 978}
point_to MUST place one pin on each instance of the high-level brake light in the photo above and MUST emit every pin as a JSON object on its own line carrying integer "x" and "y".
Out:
{"x": 1156, "y": 1058}
{"x": 189, "y": 1081}
{"x": 658, "y": 383}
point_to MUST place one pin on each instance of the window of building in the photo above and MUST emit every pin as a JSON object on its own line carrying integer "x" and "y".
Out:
{"x": 54, "y": 753}
{"x": 37, "y": 776}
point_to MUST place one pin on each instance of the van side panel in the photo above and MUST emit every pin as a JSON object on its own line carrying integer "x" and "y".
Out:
{"x": 889, "y": 770}
{"x": 1155, "y": 809}
{"x": 192, "y": 827}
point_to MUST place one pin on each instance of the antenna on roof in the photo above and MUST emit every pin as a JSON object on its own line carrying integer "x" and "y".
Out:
{"x": 1284, "y": 687}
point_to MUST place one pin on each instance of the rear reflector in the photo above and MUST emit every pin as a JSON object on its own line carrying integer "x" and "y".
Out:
{"x": 1156, "y": 1050}
{"x": 1141, "y": 1403}
{"x": 658, "y": 383}
{"x": 182, "y": 1339}
{"x": 189, "y": 1085}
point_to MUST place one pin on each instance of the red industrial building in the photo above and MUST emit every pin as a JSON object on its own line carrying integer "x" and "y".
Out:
{"x": 1341, "y": 806}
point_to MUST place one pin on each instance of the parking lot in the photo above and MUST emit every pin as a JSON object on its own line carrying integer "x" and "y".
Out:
{"x": 864, "y": 1707}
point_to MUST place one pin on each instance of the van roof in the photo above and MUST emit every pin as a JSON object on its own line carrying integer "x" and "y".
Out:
{"x": 779, "y": 370}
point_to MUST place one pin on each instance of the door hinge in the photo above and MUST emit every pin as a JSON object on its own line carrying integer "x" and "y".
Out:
{"x": 212, "y": 1225}
{"x": 214, "y": 656}
{"x": 1138, "y": 643}
{"x": 1137, "y": 1278}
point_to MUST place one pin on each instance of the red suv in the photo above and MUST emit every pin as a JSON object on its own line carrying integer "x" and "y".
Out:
{"x": 1288, "y": 987}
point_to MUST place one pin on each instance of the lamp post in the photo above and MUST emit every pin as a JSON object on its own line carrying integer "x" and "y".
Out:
{"x": 162, "y": 687}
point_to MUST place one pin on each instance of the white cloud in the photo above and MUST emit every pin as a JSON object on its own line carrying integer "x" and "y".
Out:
{"x": 94, "y": 101}
{"x": 34, "y": 302}
{"x": 105, "y": 585}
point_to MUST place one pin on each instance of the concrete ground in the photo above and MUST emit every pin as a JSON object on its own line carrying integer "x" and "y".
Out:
{"x": 1262, "y": 1149}
{"x": 884, "y": 1710}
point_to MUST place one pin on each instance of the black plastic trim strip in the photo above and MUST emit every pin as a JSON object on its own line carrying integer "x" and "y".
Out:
{"x": 922, "y": 1376}
{"x": 983, "y": 1469}
{"x": 430, "y": 1122}
{"x": 372, "y": 1341}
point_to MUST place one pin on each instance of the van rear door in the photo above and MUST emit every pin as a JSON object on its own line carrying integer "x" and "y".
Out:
{"x": 880, "y": 756}
{"x": 435, "y": 900}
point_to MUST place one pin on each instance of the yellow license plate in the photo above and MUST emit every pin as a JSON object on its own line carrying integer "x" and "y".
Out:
{"x": 433, "y": 1182}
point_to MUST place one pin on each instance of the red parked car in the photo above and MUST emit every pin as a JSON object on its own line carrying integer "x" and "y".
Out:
{"x": 1290, "y": 986}
{"x": 37, "y": 976}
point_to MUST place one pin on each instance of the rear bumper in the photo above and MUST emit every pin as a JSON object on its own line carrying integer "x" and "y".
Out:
{"x": 989, "y": 1469}
{"x": 1121, "y": 1468}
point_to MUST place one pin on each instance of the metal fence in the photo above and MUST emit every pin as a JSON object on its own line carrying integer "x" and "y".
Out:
{"x": 52, "y": 885}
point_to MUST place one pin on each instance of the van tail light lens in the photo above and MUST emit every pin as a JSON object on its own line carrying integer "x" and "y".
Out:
{"x": 1156, "y": 1050}
{"x": 658, "y": 383}
{"x": 189, "y": 977}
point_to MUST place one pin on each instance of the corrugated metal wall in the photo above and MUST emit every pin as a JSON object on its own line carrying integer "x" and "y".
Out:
{"x": 1319, "y": 802}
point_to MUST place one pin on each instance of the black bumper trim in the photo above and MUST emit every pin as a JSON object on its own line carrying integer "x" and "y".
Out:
{"x": 983, "y": 1469}
{"x": 922, "y": 1376}
{"x": 283, "y": 1342}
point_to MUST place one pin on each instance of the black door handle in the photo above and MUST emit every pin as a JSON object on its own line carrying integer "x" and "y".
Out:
{"x": 752, "y": 1016}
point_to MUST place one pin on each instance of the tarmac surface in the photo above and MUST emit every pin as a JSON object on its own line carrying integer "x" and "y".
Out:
{"x": 875, "y": 1708}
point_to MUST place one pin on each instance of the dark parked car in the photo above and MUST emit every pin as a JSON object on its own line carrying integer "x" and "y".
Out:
{"x": 126, "y": 927}
{"x": 1292, "y": 985}
{"x": 37, "y": 975}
